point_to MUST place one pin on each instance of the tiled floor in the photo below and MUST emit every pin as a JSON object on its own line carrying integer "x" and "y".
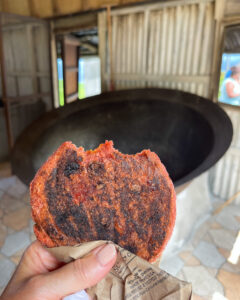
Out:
{"x": 203, "y": 261}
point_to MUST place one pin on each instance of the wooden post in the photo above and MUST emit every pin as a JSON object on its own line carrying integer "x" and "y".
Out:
{"x": 4, "y": 92}
{"x": 53, "y": 64}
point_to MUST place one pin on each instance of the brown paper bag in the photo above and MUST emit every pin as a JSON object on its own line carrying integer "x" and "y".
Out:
{"x": 131, "y": 278}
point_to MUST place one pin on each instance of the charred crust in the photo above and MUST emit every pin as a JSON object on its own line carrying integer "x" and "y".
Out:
{"x": 129, "y": 205}
{"x": 70, "y": 168}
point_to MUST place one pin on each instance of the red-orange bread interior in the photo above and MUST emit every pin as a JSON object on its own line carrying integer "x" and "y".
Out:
{"x": 79, "y": 196}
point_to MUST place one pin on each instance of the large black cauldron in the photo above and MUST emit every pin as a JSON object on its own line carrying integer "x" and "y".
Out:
{"x": 188, "y": 132}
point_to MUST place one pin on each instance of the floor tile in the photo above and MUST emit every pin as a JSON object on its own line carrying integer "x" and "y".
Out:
{"x": 172, "y": 265}
{"x": 235, "y": 268}
{"x": 9, "y": 203}
{"x": 18, "y": 219}
{"x": 18, "y": 189}
{"x": 6, "y": 183}
{"x": 188, "y": 247}
{"x": 207, "y": 238}
{"x": 201, "y": 232}
{"x": 10, "y": 230}
{"x": 180, "y": 275}
{"x": 233, "y": 209}
{"x": 189, "y": 259}
{"x": 212, "y": 271}
{"x": 215, "y": 225}
{"x": 196, "y": 297}
{"x": 202, "y": 282}
{"x": 222, "y": 238}
{"x": 15, "y": 242}
{"x": 226, "y": 253}
{"x": 7, "y": 267}
{"x": 231, "y": 283}
{"x": 26, "y": 198}
{"x": 208, "y": 255}
{"x": 227, "y": 220}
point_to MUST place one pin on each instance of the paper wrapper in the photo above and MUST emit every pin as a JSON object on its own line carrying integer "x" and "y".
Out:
{"x": 131, "y": 278}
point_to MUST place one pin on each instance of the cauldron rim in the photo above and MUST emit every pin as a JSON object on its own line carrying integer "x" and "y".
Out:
{"x": 212, "y": 113}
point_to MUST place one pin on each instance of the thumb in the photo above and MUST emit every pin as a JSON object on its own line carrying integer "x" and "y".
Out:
{"x": 81, "y": 273}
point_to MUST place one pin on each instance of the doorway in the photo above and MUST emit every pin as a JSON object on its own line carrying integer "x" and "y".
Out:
{"x": 78, "y": 65}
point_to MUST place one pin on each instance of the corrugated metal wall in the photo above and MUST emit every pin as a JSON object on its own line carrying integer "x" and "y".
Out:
{"x": 161, "y": 45}
{"x": 224, "y": 177}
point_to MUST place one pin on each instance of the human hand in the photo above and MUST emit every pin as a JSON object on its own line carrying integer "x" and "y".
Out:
{"x": 40, "y": 275}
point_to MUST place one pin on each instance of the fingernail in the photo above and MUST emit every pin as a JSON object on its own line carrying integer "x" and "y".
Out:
{"x": 106, "y": 254}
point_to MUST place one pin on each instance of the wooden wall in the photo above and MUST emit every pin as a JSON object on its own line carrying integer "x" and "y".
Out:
{"x": 51, "y": 8}
{"x": 27, "y": 63}
{"x": 232, "y": 7}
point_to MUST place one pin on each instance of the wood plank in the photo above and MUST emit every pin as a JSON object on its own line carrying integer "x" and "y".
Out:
{"x": 95, "y": 4}
{"x": 232, "y": 8}
{"x": 27, "y": 74}
{"x": 16, "y": 7}
{"x": 64, "y": 7}
{"x": 42, "y": 9}
{"x": 53, "y": 54}
{"x": 27, "y": 98}
{"x": 71, "y": 55}
{"x": 72, "y": 69}
{"x": 70, "y": 40}
{"x": 10, "y": 27}
{"x": 163, "y": 77}
{"x": 72, "y": 97}
{"x": 71, "y": 79}
{"x": 69, "y": 24}
{"x": 41, "y": 42}
{"x": 155, "y": 6}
